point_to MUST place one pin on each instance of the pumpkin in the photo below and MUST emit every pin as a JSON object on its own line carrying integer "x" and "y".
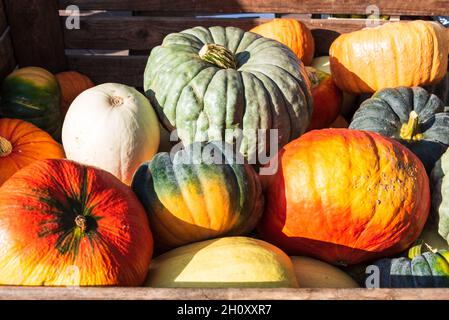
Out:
{"x": 312, "y": 273}
{"x": 406, "y": 53}
{"x": 63, "y": 223}
{"x": 340, "y": 122}
{"x": 347, "y": 100}
{"x": 113, "y": 127}
{"x": 198, "y": 193}
{"x": 439, "y": 219}
{"x": 410, "y": 115}
{"x": 345, "y": 197}
{"x": 326, "y": 99}
{"x": 22, "y": 143}
{"x": 72, "y": 83}
{"x": 419, "y": 270}
{"x": 33, "y": 94}
{"x": 291, "y": 32}
{"x": 225, "y": 84}
{"x": 232, "y": 262}
{"x": 441, "y": 89}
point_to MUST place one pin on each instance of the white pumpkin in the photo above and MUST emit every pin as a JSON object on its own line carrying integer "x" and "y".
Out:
{"x": 113, "y": 127}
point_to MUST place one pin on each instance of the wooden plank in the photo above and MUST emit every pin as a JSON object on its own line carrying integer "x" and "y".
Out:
{"x": 76, "y": 293}
{"x": 143, "y": 33}
{"x": 7, "y": 61}
{"x": 3, "y": 22}
{"x": 429, "y": 7}
{"x": 122, "y": 69}
{"x": 36, "y": 32}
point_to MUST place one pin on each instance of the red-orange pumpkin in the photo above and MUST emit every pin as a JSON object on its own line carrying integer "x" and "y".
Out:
{"x": 62, "y": 223}
{"x": 345, "y": 196}
{"x": 22, "y": 143}
{"x": 72, "y": 83}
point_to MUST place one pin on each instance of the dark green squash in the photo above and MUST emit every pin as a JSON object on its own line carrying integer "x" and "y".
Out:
{"x": 32, "y": 94}
{"x": 203, "y": 81}
{"x": 419, "y": 270}
{"x": 412, "y": 116}
{"x": 201, "y": 192}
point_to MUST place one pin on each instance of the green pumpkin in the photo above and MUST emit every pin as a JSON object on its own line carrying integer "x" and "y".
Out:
{"x": 32, "y": 94}
{"x": 412, "y": 116}
{"x": 203, "y": 191}
{"x": 439, "y": 182}
{"x": 203, "y": 81}
{"x": 419, "y": 270}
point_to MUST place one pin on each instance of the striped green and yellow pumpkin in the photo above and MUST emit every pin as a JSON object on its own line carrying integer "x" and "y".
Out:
{"x": 204, "y": 191}
{"x": 33, "y": 94}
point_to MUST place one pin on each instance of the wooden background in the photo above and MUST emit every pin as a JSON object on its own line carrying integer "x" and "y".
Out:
{"x": 113, "y": 45}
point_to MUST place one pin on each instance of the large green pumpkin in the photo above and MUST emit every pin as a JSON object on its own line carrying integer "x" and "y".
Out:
{"x": 203, "y": 81}
{"x": 203, "y": 191}
{"x": 439, "y": 182}
{"x": 412, "y": 116}
{"x": 419, "y": 270}
{"x": 32, "y": 94}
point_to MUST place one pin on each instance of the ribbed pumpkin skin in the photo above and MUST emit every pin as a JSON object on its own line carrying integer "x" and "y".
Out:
{"x": 439, "y": 181}
{"x": 191, "y": 198}
{"x": 389, "y": 109}
{"x": 28, "y": 144}
{"x": 411, "y": 53}
{"x": 428, "y": 270}
{"x": 269, "y": 89}
{"x": 233, "y": 262}
{"x": 33, "y": 94}
{"x": 72, "y": 83}
{"x": 42, "y": 244}
{"x": 291, "y": 32}
{"x": 345, "y": 196}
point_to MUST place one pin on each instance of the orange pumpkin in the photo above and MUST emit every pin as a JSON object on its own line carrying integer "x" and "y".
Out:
{"x": 407, "y": 53}
{"x": 22, "y": 143}
{"x": 293, "y": 33}
{"x": 72, "y": 83}
{"x": 63, "y": 223}
{"x": 345, "y": 196}
{"x": 340, "y": 122}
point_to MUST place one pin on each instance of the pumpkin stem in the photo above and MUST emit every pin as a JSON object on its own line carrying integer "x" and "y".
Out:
{"x": 81, "y": 222}
{"x": 415, "y": 251}
{"x": 218, "y": 55}
{"x": 5, "y": 147}
{"x": 316, "y": 76}
{"x": 410, "y": 130}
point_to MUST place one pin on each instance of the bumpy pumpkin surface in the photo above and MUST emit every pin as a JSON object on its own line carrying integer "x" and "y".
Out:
{"x": 203, "y": 81}
{"x": 345, "y": 196}
{"x": 420, "y": 270}
{"x": 33, "y": 94}
{"x": 410, "y": 115}
{"x": 440, "y": 196}
{"x": 202, "y": 192}
{"x": 407, "y": 53}
{"x": 22, "y": 143}
{"x": 291, "y": 32}
{"x": 233, "y": 262}
{"x": 62, "y": 223}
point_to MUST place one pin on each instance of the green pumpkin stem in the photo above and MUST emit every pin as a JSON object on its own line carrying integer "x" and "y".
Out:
{"x": 410, "y": 130}
{"x": 81, "y": 222}
{"x": 5, "y": 147}
{"x": 218, "y": 55}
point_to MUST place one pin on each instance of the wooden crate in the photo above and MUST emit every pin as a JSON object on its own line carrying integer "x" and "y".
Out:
{"x": 113, "y": 44}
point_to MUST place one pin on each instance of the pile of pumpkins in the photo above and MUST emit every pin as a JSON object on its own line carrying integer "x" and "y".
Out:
{"x": 89, "y": 196}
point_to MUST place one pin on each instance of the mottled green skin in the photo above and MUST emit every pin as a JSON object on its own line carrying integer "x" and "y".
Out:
{"x": 428, "y": 270}
{"x": 269, "y": 88}
{"x": 24, "y": 99}
{"x": 164, "y": 177}
{"x": 388, "y": 109}
{"x": 439, "y": 183}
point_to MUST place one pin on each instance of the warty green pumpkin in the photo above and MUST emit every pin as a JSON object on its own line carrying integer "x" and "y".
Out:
{"x": 203, "y": 81}
{"x": 203, "y": 191}
{"x": 412, "y": 116}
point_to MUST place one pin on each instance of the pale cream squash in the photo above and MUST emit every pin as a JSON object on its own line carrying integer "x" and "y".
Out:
{"x": 113, "y": 127}
{"x": 223, "y": 263}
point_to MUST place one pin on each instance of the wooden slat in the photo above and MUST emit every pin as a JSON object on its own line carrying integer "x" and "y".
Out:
{"x": 36, "y": 33}
{"x": 3, "y": 22}
{"x": 143, "y": 33}
{"x": 393, "y": 7}
{"x": 7, "y": 62}
{"x": 122, "y": 69}
{"x": 48, "y": 293}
